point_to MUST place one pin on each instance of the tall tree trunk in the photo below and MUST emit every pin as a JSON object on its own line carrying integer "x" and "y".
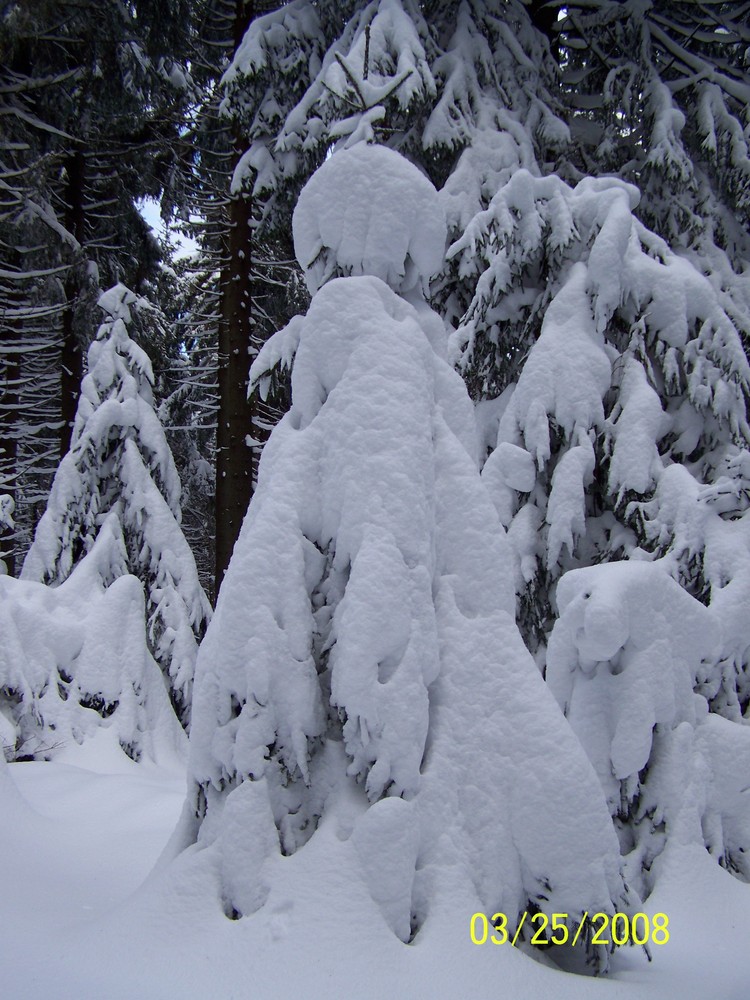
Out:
{"x": 233, "y": 457}
{"x": 71, "y": 357}
{"x": 10, "y": 380}
{"x": 234, "y": 473}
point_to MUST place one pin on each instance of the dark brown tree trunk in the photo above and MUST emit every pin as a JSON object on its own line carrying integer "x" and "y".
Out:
{"x": 71, "y": 354}
{"x": 234, "y": 459}
{"x": 10, "y": 380}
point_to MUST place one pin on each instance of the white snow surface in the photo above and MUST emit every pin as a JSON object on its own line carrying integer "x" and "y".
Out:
{"x": 80, "y": 923}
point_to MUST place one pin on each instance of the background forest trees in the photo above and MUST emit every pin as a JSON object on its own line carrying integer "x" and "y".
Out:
{"x": 103, "y": 110}
{"x": 92, "y": 100}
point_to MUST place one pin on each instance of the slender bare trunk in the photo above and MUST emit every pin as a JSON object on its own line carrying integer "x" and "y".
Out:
{"x": 71, "y": 354}
{"x": 10, "y": 380}
{"x": 234, "y": 472}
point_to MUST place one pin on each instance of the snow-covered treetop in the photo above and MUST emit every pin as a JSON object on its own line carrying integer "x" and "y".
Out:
{"x": 367, "y": 210}
{"x": 120, "y": 371}
{"x": 340, "y": 81}
{"x": 309, "y": 75}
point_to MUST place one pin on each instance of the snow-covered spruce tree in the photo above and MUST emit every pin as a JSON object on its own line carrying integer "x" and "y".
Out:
{"x": 426, "y": 79}
{"x": 628, "y": 650}
{"x": 636, "y": 367}
{"x": 89, "y": 96}
{"x": 660, "y": 97}
{"x": 612, "y": 390}
{"x": 120, "y": 464}
{"x": 363, "y": 657}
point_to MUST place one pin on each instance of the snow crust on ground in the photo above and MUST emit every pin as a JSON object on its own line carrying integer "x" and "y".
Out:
{"x": 79, "y": 836}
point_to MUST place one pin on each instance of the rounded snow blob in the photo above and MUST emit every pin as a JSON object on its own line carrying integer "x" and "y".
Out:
{"x": 367, "y": 210}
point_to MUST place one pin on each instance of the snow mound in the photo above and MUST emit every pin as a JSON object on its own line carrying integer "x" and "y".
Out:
{"x": 368, "y": 211}
{"x": 74, "y": 659}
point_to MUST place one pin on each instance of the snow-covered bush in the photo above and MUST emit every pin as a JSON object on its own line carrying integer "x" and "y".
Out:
{"x": 120, "y": 464}
{"x": 624, "y": 658}
{"x": 74, "y": 660}
{"x": 363, "y": 668}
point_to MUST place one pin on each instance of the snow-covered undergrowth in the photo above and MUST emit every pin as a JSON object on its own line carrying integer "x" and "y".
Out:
{"x": 74, "y": 661}
{"x": 624, "y": 660}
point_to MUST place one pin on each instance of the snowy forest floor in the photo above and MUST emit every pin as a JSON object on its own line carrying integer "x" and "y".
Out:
{"x": 85, "y": 917}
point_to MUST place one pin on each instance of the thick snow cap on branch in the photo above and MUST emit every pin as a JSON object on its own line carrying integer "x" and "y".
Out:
{"x": 367, "y": 210}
